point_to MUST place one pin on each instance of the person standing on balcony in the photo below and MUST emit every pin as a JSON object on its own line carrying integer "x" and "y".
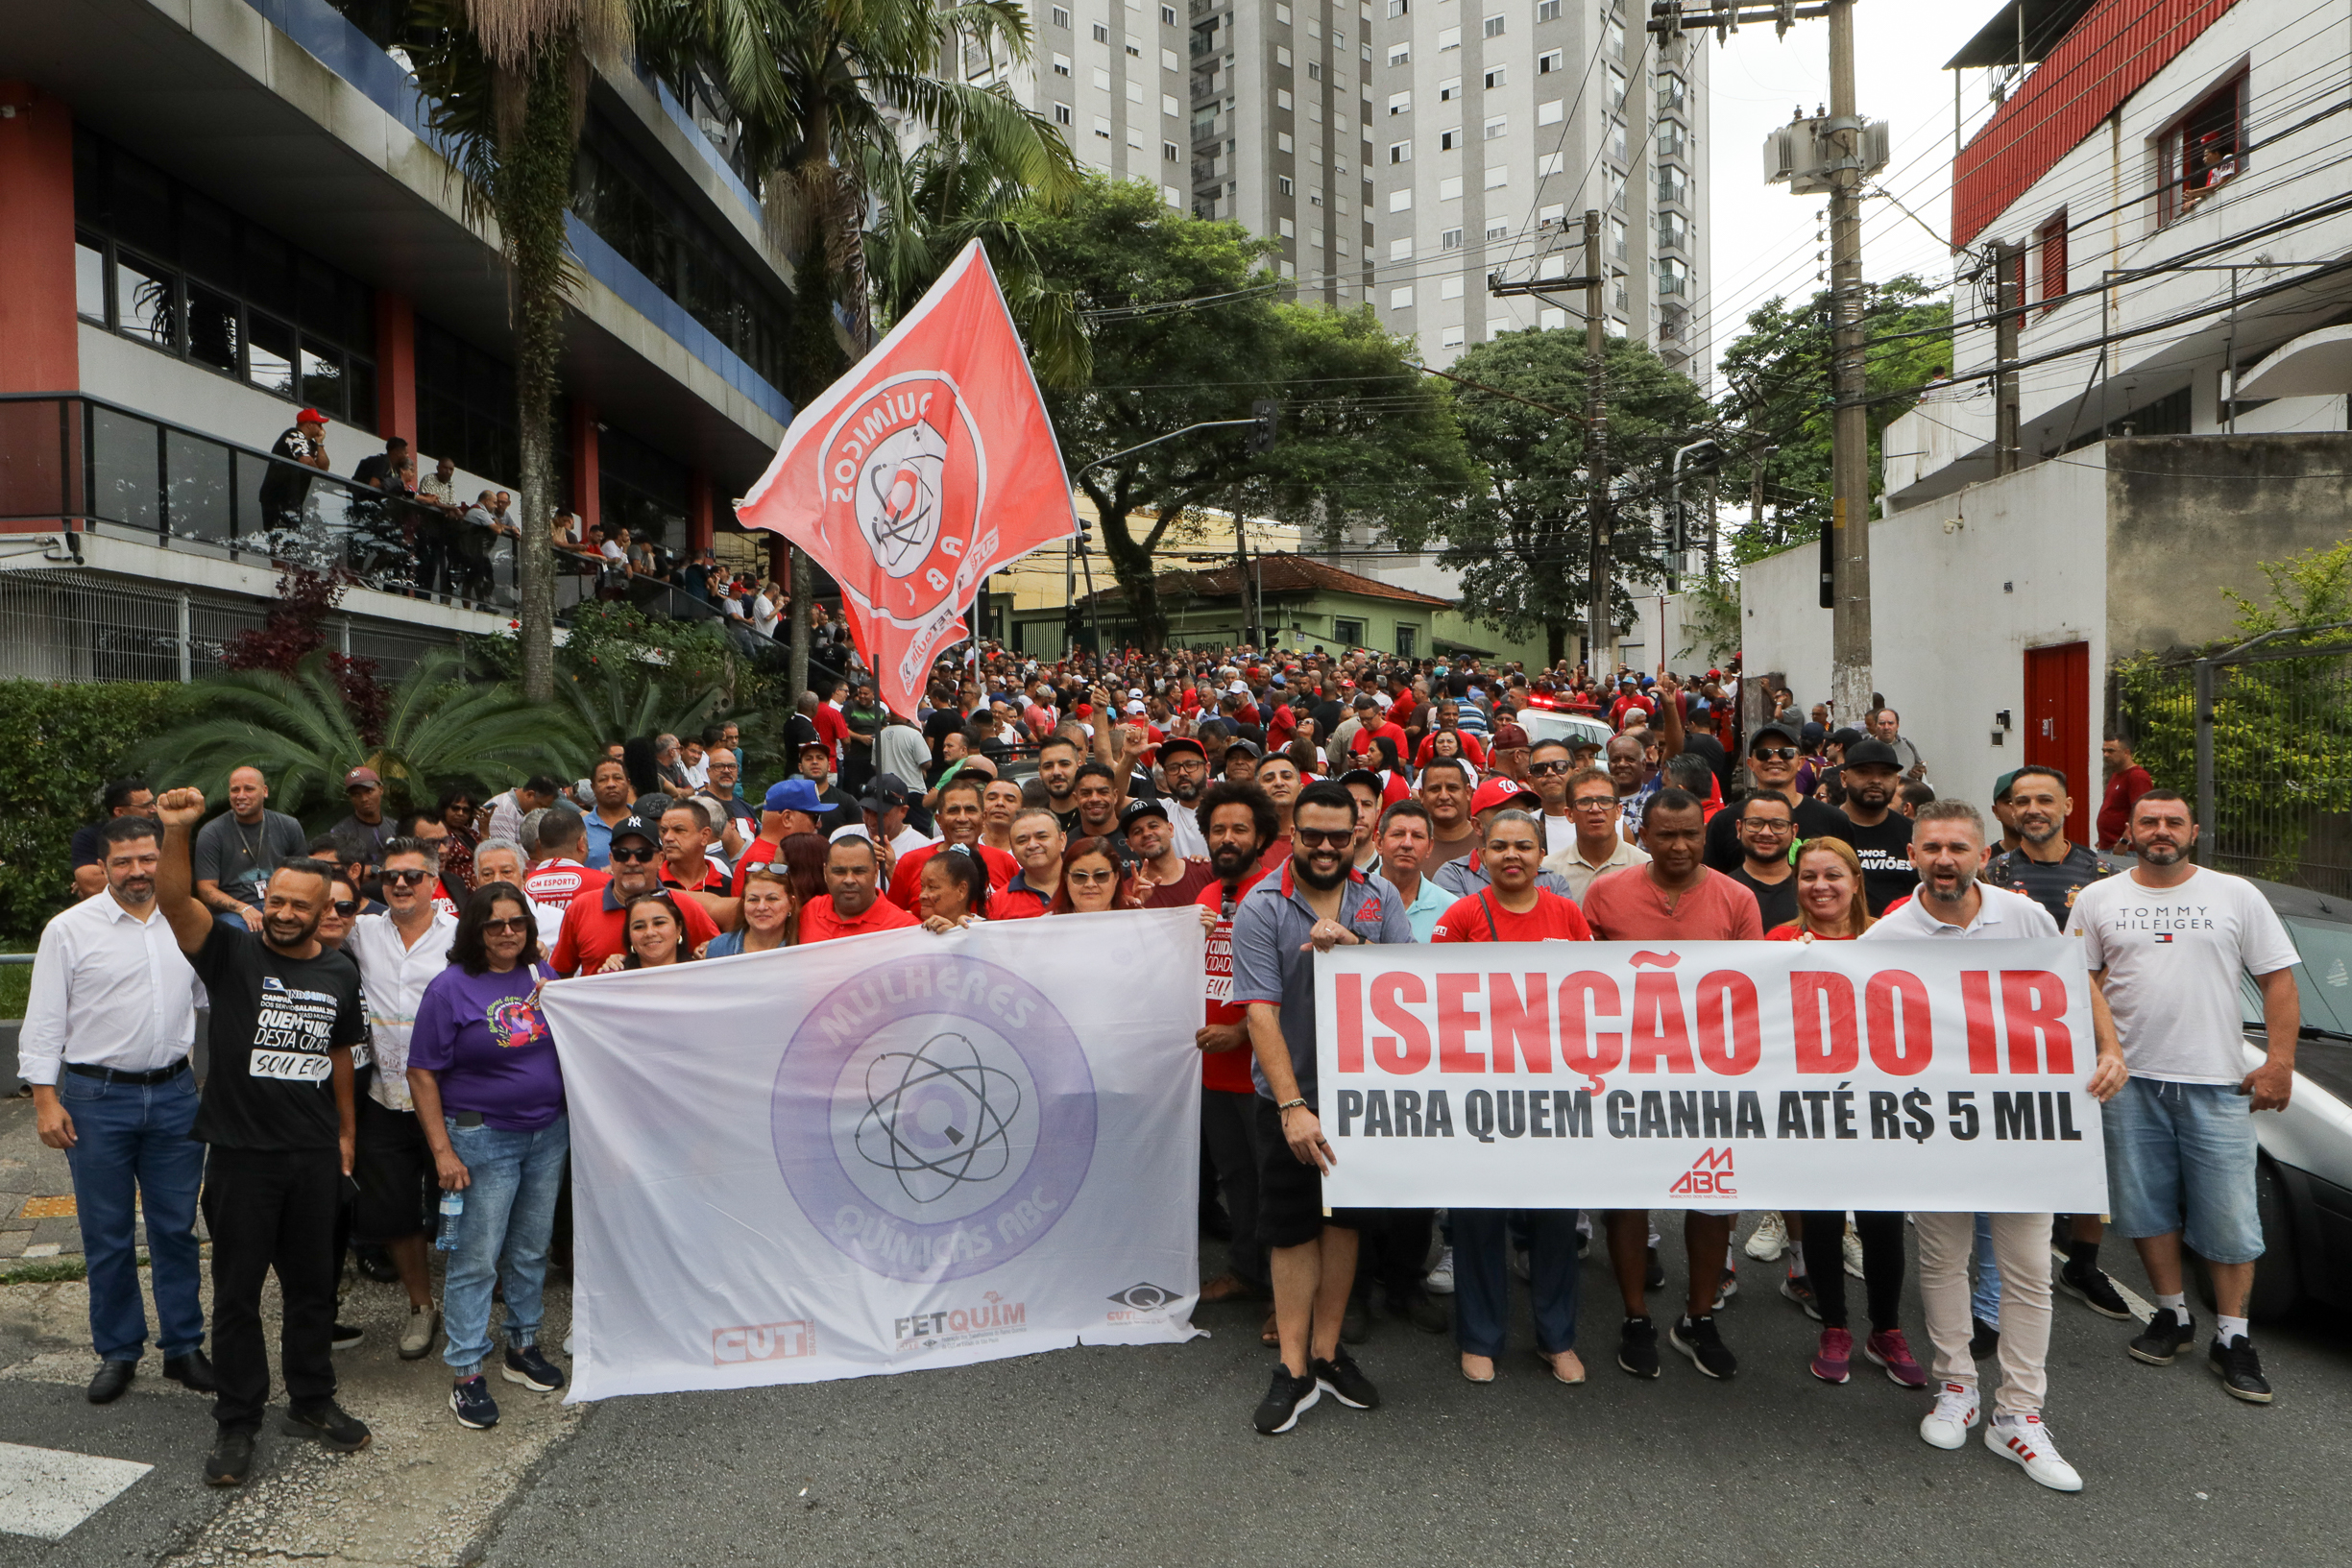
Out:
{"x": 283, "y": 492}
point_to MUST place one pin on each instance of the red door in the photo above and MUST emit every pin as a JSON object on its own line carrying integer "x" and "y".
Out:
{"x": 2058, "y": 723}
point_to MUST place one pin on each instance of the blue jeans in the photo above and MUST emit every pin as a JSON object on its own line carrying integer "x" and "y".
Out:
{"x": 2184, "y": 1151}
{"x": 132, "y": 1140}
{"x": 1482, "y": 1277}
{"x": 503, "y": 1238}
{"x": 1985, "y": 1302}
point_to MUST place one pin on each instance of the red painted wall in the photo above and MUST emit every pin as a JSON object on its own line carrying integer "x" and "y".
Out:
{"x": 39, "y": 350}
{"x": 2111, "y": 54}
{"x": 396, "y": 368}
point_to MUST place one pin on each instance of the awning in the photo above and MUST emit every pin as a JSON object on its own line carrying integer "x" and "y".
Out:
{"x": 1996, "y": 43}
{"x": 1446, "y": 645}
{"x": 2315, "y": 365}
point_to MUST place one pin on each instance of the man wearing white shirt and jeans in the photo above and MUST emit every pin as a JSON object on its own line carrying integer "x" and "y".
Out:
{"x": 1948, "y": 849}
{"x": 2167, "y": 944}
{"x": 105, "y": 1045}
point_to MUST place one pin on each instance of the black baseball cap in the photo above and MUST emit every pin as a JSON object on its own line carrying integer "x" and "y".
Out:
{"x": 1756, "y": 736}
{"x": 635, "y": 827}
{"x": 884, "y": 792}
{"x": 1248, "y": 748}
{"x": 1182, "y": 742}
{"x": 1365, "y": 777}
{"x": 1848, "y": 738}
{"x": 1873, "y": 754}
{"x": 1143, "y": 806}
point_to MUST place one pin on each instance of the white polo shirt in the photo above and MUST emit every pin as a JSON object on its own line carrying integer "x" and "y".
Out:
{"x": 2001, "y": 916}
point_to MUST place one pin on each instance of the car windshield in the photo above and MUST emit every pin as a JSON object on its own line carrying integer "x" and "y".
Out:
{"x": 2323, "y": 979}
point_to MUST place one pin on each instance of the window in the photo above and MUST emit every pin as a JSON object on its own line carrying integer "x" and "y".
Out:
{"x": 1401, "y": 200}
{"x": 1408, "y": 637}
{"x": 1350, "y": 634}
{"x": 1133, "y": 52}
{"x": 1497, "y": 75}
{"x": 1167, "y": 16}
{"x": 2052, "y": 241}
{"x": 1339, "y": 40}
{"x": 1101, "y": 33}
{"x": 1618, "y": 148}
{"x": 1613, "y": 38}
{"x": 1282, "y": 183}
{"x": 1616, "y": 186}
{"x": 1450, "y": 288}
{"x": 1168, "y": 104}
{"x": 1282, "y": 98}
{"x": 1282, "y": 57}
{"x": 1399, "y": 8}
{"x": 1450, "y": 89}
{"x": 1448, "y": 190}
{"x": 1134, "y": 93}
{"x": 1169, "y": 152}
{"x": 1450, "y": 240}
{"x": 1673, "y": 233}
{"x": 2204, "y": 150}
{"x": 1400, "y": 103}
{"x": 1552, "y": 320}
{"x": 1492, "y": 26}
{"x": 1061, "y": 64}
{"x": 1450, "y": 139}
{"x": 1288, "y": 230}
{"x": 1400, "y": 152}
{"x": 1315, "y": 70}
{"x": 1102, "y": 127}
{"x": 1061, "y": 17}
{"x": 1314, "y": 198}
{"x": 1400, "y": 249}
{"x": 1283, "y": 142}
{"x": 1448, "y": 37}
{"x": 1550, "y": 60}
{"x": 1400, "y": 54}
{"x": 1062, "y": 113}
{"x": 1673, "y": 277}
{"x": 1499, "y": 229}
{"x": 1498, "y": 174}
{"x": 1673, "y": 141}
{"x": 1673, "y": 185}
{"x": 1282, "y": 14}
{"x": 1547, "y": 11}
{"x": 1401, "y": 299}
{"x": 1671, "y": 93}
{"x": 1549, "y": 164}
{"x": 1102, "y": 79}
{"x": 1498, "y": 127}
{"x": 1548, "y": 112}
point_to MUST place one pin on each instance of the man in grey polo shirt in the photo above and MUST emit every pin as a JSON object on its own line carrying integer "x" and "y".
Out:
{"x": 1314, "y": 903}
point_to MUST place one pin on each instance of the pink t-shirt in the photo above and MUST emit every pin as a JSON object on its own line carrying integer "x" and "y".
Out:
{"x": 1624, "y": 906}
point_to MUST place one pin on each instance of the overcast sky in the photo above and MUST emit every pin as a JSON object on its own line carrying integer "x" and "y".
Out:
{"x": 1762, "y": 236}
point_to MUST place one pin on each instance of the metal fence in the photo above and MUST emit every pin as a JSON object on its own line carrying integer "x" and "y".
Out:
{"x": 2260, "y": 739}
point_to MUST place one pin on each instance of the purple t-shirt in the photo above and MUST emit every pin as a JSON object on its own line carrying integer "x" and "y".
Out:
{"x": 490, "y": 1046}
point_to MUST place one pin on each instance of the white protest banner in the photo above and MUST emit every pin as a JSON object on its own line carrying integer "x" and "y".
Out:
{"x": 885, "y": 1152}
{"x": 1920, "y": 1075}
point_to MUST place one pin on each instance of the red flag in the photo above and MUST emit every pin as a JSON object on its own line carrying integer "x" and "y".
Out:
{"x": 928, "y": 466}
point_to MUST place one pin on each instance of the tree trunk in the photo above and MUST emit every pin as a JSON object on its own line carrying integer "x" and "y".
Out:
{"x": 802, "y": 588}
{"x": 1130, "y": 567}
{"x": 534, "y": 187}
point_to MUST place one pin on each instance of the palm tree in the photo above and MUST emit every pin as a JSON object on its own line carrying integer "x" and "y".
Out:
{"x": 506, "y": 86}
{"x": 439, "y": 729}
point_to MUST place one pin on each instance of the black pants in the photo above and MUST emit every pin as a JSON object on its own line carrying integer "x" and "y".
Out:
{"x": 1227, "y": 1127}
{"x": 272, "y": 1210}
{"x": 1395, "y": 1251}
{"x": 1825, "y": 1264}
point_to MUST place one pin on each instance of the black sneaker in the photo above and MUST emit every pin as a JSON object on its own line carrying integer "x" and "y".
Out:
{"x": 231, "y": 1458}
{"x": 2239, "y": 1370}
{"x": 1984, "y": 1341}
{"x": 1344, "y": 1380}
{"x": 331, "y": 1424}
{"x": 376, "y": 1264}
{"x": 2094, "y": 1290}
{"x": 533, "y": 1370}
{"x": 1697, "y": 1339}
{"x": 348, "y": 1335}
{"x": 2168, "y": 1334}
{"x": 1285, "y": 1398}
{"x": 469, "y": 1398}
{"x": 1638, "y": 1347}
{"x": 1799, "y": 1288}
{"x": 1653, "y": 1272}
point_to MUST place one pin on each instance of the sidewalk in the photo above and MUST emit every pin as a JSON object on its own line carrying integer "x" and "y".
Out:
{"x": 422, "y": 1495}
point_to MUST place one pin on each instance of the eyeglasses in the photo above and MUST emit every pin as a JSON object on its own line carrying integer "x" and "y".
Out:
{"x": 1746, "y": 826}
{"x": 1545, "y": 771}
{"x": 637, "y": 856}
{"x": 1775, "y": 754}
{"x": 346, "y": 907}
{"x": 1595, "y": 803}
{"x": 512, "y": 926}
{"x": 406, "y": 879}
{"x": 1315, "y": 838}
{"x": 1093, "y": 879}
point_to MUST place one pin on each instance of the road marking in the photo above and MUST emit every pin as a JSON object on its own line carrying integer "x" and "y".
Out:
{"x": 49, "y": 1208}
{"x": 45, "y": 1492}
{"x": 2141, "y": 1308}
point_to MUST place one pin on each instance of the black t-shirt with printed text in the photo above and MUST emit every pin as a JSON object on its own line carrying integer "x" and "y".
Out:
{"x": 273, "y": 1021}
{"x": 1887, "y": 869}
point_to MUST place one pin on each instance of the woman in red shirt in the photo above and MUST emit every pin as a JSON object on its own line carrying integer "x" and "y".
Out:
{"x": 1514, "y": 909}
{"x": 1830, "y": 903}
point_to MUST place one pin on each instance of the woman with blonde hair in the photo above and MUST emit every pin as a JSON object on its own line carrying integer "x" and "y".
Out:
{"x": 1831, "y": 906}
{"x": 772, "y": 912}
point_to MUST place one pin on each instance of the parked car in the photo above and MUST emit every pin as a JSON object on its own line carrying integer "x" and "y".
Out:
{"x": 1551, "y": 724}
{"x": 2304, "y": 1177}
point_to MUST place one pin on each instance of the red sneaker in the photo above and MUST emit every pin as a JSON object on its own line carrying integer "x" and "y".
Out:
{"x": 1831, "y": 1360}
{"x": 1888, "y": 1348}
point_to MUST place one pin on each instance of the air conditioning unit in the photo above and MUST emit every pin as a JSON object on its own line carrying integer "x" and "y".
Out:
{"x": 1803, "y": 155}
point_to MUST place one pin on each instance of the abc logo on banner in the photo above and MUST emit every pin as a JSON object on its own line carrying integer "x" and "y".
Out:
{"x": 928, "y": 466}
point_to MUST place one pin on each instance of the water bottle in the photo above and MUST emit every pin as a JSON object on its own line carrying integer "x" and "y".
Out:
{"x": 453, "y": 1213}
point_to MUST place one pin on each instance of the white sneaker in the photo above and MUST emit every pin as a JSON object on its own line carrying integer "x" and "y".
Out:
{"x": 566, "y": 1344}
{"x": 1441, "y": 1280}
{"x": 1956, "y": 1412}
{"x": 2024, "y": 1439}
{"x": 1853, "y": 1250}
{"x": 1771, "y": 1237}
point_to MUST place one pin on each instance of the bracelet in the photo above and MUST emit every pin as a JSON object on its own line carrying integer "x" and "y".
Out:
{"x": 1290, "y": 1105}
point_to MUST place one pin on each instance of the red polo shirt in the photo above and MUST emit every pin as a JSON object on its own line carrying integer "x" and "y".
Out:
{"x": 594, "y": 928}
{"x": 907, "y": 872}
{"x": 820, "y": 923}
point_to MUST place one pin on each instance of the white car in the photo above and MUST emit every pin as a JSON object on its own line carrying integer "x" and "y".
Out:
{"x": 1551, "y": 724}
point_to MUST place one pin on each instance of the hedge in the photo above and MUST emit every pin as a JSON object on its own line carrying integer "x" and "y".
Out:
{"x": 59, "y": 747}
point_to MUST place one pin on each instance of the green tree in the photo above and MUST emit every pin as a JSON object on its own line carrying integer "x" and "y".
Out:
{"x": 439, "y": 729}
{"x": 1187, "y": 327}
{"x": 1522, "y": 542}
{"x": 506, "y": 86}
{"x": 1779, "y": 406}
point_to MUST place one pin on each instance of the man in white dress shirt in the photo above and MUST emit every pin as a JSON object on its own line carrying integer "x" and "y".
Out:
{"x": 107, "y": 1033}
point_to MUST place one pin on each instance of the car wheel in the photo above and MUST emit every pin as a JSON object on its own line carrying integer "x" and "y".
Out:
{"x": 2278, "y": 1279}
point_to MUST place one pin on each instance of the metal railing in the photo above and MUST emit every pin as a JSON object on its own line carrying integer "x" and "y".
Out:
{"x": 83, "y": 463}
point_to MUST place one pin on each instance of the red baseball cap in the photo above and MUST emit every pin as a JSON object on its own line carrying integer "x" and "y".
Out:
{"x": 310, "y": 416}
{"x": 1497, "y": 790}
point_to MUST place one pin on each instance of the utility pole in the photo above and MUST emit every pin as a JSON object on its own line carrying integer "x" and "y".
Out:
{"x": 1598, "y": 584}
{"x": 2008, "y": 303}
{"x": 1849, "y": 681}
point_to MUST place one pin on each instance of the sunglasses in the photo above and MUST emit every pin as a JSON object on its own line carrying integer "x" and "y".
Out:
{"x": 635, "y": 856}
{"x": 1315, "y": 838}
{"x": 1546, "y": 771}
{"x": 346, "y": 907}
{"x": 511, "y": 926}
{"x": 1093, "y": 879}
{"x": 406, "y": 879}
{"x": 1775, "y": 754}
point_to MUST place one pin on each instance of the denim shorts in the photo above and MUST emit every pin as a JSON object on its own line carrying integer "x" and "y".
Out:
{"x": 2180, "y": 1157}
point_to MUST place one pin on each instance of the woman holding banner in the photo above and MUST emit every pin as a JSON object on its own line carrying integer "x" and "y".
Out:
{"x": 657, "y": 934}
{"x": 955, "y": 889}
{"x": 1514, "y": 909}
{"x": 772, "y": 912}
{"x": 490, "y": 1100}
{"x": 1831, "y": 906}
{"x": 1089, "y": 878}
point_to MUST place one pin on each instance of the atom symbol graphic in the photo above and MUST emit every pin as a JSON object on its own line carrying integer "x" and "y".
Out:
{"x": 937, "y": 1117}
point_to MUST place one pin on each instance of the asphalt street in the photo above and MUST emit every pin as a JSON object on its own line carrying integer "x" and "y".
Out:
{"x": 1146, "y": 1455}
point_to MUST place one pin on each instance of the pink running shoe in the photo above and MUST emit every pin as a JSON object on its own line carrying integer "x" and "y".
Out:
{"x": 1888, "y": 1348}
{"x": 1836, "y": 1350}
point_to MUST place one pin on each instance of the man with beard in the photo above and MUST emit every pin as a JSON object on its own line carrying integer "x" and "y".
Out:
{"x": 1184, "y": 774}
{"x": 107, "y": 1032}
{"x": 961, "y": 814}
{"x": 1766, "y": 825}
{"x": 1948, "y": 849}
{"x": 1312, "y": 904}
{"x": 1096, "y": 791}
{"x": 279, "y": 1116}
{"x": 1058, "y": 758}
{"x": 853, "y": 903}
{"x": 1881, "y": 834}
{"x": 1161, "y": 878}
{"x": 1038, "y": 843}
{"x": 1772, "y": 763}
{"x": 1237, "y": 821}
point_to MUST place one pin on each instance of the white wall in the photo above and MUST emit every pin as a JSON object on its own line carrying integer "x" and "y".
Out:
{"x": 1783, "y": 623}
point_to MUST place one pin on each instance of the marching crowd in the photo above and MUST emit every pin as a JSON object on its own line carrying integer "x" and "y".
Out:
{"x": 381, "y": 1083}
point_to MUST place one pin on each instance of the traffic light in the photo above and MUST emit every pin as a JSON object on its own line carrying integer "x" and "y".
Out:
{"x": 1265, "y": 422}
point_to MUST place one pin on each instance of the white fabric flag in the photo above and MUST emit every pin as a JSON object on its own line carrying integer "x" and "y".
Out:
{"x": 885, "y": 1152}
